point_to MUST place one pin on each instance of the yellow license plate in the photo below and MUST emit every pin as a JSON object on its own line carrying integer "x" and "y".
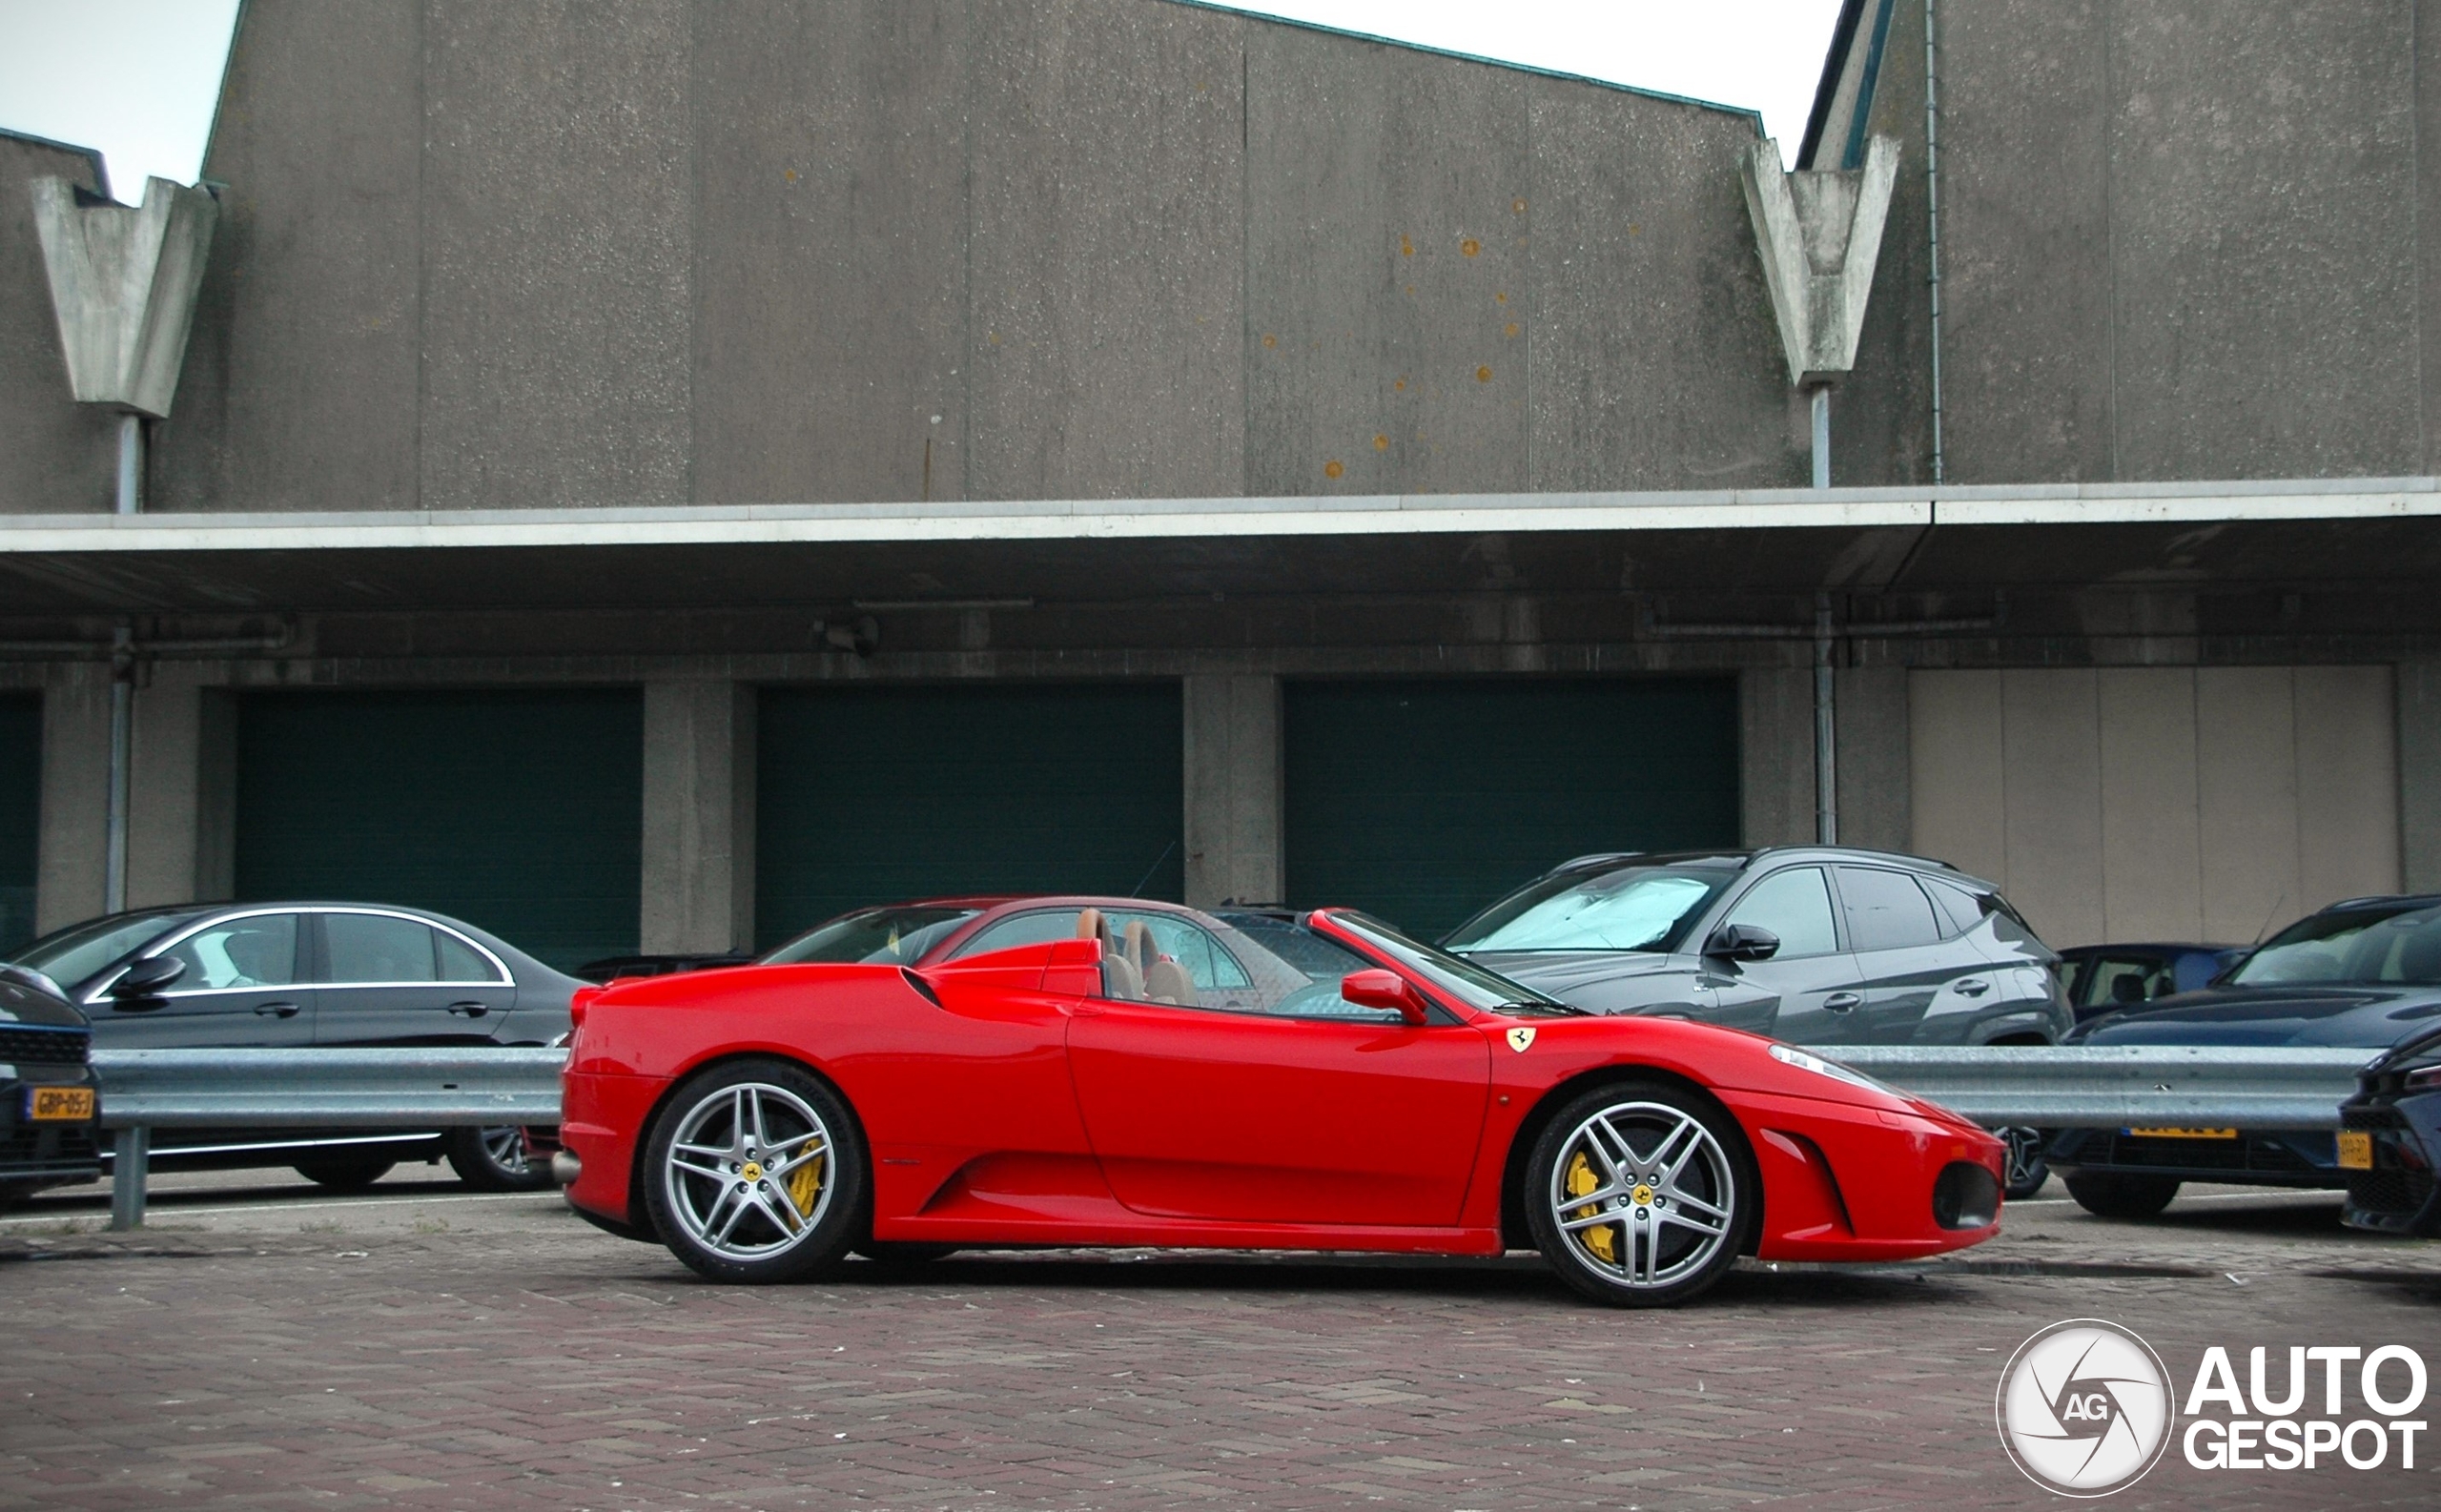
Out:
{"x": 2184, "y": 1134}
{"x": 59, "y": 1104}
{"x": 2355, "y": 1150}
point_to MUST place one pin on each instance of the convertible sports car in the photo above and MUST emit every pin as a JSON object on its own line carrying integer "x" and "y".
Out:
{"x": 1107, "y": 1071}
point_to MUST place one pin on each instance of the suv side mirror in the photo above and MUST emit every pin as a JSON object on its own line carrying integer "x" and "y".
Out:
{"x": 1380, "y": 988}
{"x": 149, "y": 977}
{"x": 1743, "y": 942}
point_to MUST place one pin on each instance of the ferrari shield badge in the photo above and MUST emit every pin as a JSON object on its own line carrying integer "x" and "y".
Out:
{"x": 1520, "y": 1037}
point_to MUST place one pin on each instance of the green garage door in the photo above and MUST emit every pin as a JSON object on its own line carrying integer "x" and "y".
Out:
{"x": 20, "y": 815}
{"x": 877, "y": 795}
{"x": 1422, "y": 802}
{"x": 522, "y": 812}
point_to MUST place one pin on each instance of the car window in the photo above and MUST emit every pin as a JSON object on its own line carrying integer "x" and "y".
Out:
{"x": 1042, "y": 926}
{"x": 1628, "y": 907}
{"x": 1956, "y": 911}
{"x": 461, "y": 962}
{"x": 2401, "y": 945}
{"x": 1886, "y": 910}
{"x": 1206, "y": 964}
{"x": 2119, "y": 980}
{"x": 365, "y": 948}
{"x": 1794, "y": 905}
{"x": 69, "y": 955}
{"x": 256, "y": 951}
{"x": 876, "y": 936}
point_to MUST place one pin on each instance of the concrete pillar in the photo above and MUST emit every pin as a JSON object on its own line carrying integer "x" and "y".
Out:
{"x": 1874, "y": 802}
{"x": 76, "y": 779}
{"x": 1233, "y": 789}
{"x": 2419, "y": 737}
{"x": 181, "y": 840}
{"x": 699, "y": 817}
{"x": 1775, "y": 755}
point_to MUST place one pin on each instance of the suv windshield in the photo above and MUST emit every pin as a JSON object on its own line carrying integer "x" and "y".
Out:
{"x": 1631, "y": 907}
{"x": 1463, "y": 980}
{"x": 2354, "y": 947}
{"x": 877, "y": 936}
{"x": 69, "y": 955}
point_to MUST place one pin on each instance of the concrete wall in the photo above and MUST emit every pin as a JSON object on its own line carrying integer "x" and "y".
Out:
{"x": 667, "y": 251}
{"x": 75, "y": 794}
{"x": 55, "y": 455}
{"x": 2131, "y": 803}
{"x": 2180, "y": 240}
{"x": 698, "y": 817}
{"x": 1232, "y": 755}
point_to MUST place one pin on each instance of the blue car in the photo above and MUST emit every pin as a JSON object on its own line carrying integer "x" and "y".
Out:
{"x": 2366, "y": 973}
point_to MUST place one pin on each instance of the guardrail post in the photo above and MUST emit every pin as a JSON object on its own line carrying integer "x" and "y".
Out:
{"x": 130, "y": 1152}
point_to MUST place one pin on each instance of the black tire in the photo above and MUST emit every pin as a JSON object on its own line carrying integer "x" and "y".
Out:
{"x": 1693, "y": 1225}
{"x": 2109, "y": 1195}
{"x": 345, "y": 1172}
{"x": 897, "y": 1254}
{"x": 806, "y": 1128}
{"x": 495, "y": 1161}
{"x": 2027, "y": 1169}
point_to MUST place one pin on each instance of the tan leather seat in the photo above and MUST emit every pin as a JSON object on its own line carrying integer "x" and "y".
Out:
{"x": 1120, "y": 978}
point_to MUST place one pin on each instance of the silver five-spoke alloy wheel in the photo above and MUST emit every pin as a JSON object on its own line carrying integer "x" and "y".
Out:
{"x": 749, "y": 1172}
{"x": 1645, "y": 1196}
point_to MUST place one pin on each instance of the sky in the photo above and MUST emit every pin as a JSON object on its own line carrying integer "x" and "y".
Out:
{"x": 138, "y": 79}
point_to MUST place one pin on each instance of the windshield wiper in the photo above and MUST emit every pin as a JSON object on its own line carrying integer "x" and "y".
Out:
{"x": 1547, "y": 1006}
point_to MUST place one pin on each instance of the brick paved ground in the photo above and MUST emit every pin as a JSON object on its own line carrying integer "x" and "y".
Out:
{"x": 499, "y": 1355}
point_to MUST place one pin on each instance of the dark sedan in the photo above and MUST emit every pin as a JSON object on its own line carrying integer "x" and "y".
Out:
{"x": 2390, "y": 1141}
{"x": 2366, "y": 973}
{"x": 48, "y": 1102}
{"x": 297, "y": 974}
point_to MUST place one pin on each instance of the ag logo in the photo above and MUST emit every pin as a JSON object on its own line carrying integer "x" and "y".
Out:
{"x": 1521, "y": 1037}
{"x": 2084, "y": 1408}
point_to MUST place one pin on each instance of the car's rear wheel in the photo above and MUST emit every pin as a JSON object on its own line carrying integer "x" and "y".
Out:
{"x": 1641, "y": 1193}
{"x": 495, "y": 1161}
{"x": 2110, "y": 1194}
{"x": 755, "y": 1172}
{"x": 2028, "y": 1171}
{"x": 343, "y": 1173}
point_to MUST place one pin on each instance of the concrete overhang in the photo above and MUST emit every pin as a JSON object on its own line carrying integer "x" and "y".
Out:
{"x": 2255, "y": 534}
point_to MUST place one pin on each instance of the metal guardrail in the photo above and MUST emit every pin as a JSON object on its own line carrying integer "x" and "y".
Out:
{"x": 2113, "y": 1086}
{"x": 2044, "y": 1086}
{"x": 444, "y": 1087}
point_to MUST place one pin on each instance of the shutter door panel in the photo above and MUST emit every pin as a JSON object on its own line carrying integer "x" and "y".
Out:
{"x": 1424, "y": 801}
{"x": 20, "y": 815}
{"x": 522, "y": 812}
{"x": 878, "y": 795}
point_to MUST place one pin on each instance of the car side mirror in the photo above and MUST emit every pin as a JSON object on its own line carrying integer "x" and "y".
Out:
{"x": 149, "y": 977}
{"x": 1743, "y": 942}
{"x": 1380, "y": 988}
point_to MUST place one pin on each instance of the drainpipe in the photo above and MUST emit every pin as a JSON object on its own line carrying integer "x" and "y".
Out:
{"x": 131, "y": 463}
{"x": 122, "y": 732}
{"x": 1823, "y": 435}
{"x": 1826, "y": 723}
{"x": 1933, "y": 219}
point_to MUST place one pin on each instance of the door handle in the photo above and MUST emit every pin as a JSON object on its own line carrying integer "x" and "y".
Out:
{"x": 1972, "y": 987}
{"x": 275, "y": 1010}
{"x": 1842, "y": 1002}
{"x": 470, "y": 1010}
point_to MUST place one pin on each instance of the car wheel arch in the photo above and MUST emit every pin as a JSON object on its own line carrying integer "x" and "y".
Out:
{"x": 1515, "y": 1233}
{"x": 636, "y": 1175}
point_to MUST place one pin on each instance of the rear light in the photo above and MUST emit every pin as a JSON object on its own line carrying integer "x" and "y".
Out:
{"x": 582, "y": 1000}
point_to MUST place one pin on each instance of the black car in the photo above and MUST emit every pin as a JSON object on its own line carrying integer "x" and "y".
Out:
{"x": 2389, "y": 1139}
{"x": 2366, "y": 973}
{"x": 47, "y": 1101}
{"x": 1813, "y": 945}
{"x": 2104, "y": 978}
{"x": 297, "y": 974}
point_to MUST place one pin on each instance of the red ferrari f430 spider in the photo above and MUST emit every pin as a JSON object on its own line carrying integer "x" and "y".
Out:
{"x": 1081, "y": 1072}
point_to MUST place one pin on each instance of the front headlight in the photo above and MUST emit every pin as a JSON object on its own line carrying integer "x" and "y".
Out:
{"x": 1790, "y": 1055}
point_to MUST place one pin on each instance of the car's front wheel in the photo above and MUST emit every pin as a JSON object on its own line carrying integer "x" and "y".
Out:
{"x": 1640, "y": 1193}
{"x": 2028, "y": 1171}
{"x": 755, "y": 1172}
{"x": 2109, "y": 1195}
{"x": 495, "y": 1161}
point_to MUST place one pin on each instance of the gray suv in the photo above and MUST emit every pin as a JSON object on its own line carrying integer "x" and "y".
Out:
{"x": 1813, "y": 945}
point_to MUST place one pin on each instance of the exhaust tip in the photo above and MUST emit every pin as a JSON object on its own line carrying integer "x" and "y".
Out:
{"x": 566, "y": 1167}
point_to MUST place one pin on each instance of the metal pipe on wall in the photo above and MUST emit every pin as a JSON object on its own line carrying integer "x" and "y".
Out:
{"x": 1933, "y": 222}
{"x": 1826, "y": 728}
{"x": 131, "y": 463}
{"x": 122, "y": 752}
{"x": 1823, "y": 435}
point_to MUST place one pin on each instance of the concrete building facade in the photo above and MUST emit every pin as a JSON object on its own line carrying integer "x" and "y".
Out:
{"x": 644, "y": 475}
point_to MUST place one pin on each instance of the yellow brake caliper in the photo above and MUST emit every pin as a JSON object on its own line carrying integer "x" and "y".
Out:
{"x": 1602, "y": 1239}
{"x": 806, "y": 1180}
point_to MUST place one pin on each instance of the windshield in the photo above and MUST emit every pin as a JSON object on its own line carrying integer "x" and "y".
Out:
{"x": 2361, "y": 947}
{"x": 876, "y": 936}
{"x": 1630, "y": 909}
{"x": 69, "y": 955}
{"x": 1463, "y": 980}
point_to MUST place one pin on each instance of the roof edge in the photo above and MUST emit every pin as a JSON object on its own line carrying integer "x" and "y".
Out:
{"x": 92, "y": 155}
